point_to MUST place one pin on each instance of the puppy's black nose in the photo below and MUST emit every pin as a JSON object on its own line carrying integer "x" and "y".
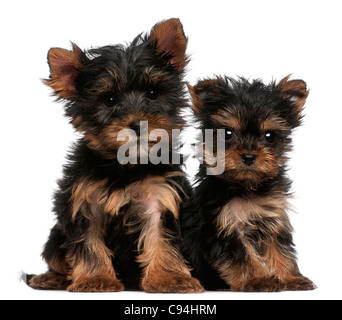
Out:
{"x": 135, "y": 126}
{"x": 248, "y": 159}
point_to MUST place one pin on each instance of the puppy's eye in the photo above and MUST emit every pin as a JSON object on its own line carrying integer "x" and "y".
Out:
{"x": 270, "y": 137}
{"x": 110, "y": 101}
{"x": 229, "y": 134}
{"x": 152, "y": 94}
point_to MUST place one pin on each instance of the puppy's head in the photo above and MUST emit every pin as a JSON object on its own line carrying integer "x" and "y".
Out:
{"x": 112, "y": 88}
{"x": 257, "y": 120}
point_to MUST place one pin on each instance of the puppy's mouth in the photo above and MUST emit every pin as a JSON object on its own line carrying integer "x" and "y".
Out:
{"x": 247, "y": 174}
{"x": 251, "y": 175}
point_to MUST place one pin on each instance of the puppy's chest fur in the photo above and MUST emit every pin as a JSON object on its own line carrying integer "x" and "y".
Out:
{"x": 251, "y": 215}
{"x": 146, "y": 198}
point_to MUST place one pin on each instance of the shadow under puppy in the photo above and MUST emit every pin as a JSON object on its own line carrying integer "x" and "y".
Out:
{"x": 237, "y": 233}
{"x": 117, "y": 224}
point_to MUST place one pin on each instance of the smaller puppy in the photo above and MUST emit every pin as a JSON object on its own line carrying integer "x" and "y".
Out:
{"x": 237, "y": 233}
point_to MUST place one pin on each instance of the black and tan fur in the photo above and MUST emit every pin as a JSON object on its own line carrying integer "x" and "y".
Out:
{"x": 237, "y": 232}
{"x": 117, "y": 225}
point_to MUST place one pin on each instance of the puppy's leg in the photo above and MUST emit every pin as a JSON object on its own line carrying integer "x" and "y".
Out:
{"x": 91, "y": 263}
{"x": 56, "y": 277}
{"x": 282, "y": 264}
{"x": 275, "y": 270}
{"x": 89, "y": 259}
{"x": 165, "y": 270}
{"x": 92, "y": 270}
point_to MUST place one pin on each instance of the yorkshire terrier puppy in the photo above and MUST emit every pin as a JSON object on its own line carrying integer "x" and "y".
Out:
{"x": 117, "y": 221}
{"x": 237, "y": 233}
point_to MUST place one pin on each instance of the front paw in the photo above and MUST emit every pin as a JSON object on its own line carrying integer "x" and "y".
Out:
{"x": 273, "y": 284}
{"x": 300, "y": 283}
{"x": 96, "y": 284}
{"x": 263, "y": 285}
{"x": 171, "y": 283}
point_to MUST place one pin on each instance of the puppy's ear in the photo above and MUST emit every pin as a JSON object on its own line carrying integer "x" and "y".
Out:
{"x": 170, "y": 42}
{"x": 202, "y": 90}
{"x": 296, "y": 91}
{"x": 65, "y": 66}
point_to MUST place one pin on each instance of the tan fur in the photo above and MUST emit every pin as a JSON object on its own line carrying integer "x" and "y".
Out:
{"x": 88, "y": 192}
{"x": 297, "y": 90}
{"x": 106, "y": 143}
{"x": 266, "y": 164}
{"x": 95, "y": 261}
{"x": 169, "y": 38}
{"x": 91, "y": 270}
{"x": 148, "y": 200}
{"x": 64, "y": 67}
{"x": 164, "y": 267}
{"x": 271, "y": 269}
{"x": 156, "y": 77}
{"x": 227, "y": 118}
{"x": 49, "y": 281}
{"x": 161, "y": 188}
{"x": 239, "y": 213}
{"x": 274, "y": 124}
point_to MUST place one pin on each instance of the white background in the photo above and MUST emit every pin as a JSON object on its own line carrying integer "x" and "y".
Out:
{"x": 256, "y": 39}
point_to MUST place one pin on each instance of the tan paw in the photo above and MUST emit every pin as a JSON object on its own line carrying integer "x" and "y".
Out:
{"x": 49, "y": 281}
{"x": 171, "y": 283}
{"x": 96, "y": 284}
